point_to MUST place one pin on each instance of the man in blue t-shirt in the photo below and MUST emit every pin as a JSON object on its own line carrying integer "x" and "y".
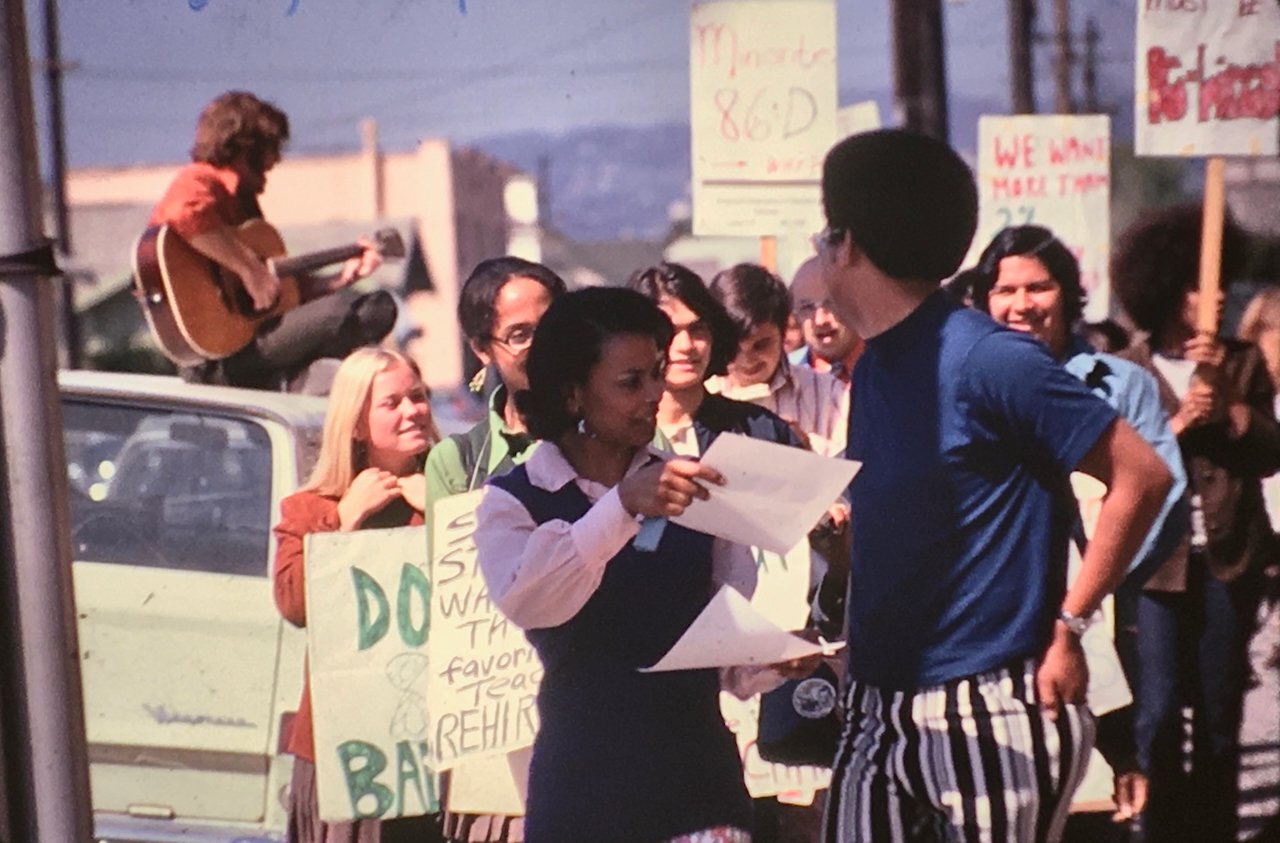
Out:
{"x": 965, "y": 709}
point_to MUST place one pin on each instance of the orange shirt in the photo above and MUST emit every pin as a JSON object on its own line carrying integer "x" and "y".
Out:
{"x": 201, "y": 198}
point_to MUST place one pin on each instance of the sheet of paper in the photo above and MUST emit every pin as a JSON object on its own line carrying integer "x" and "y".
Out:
{"x": 729, "y": 632}
{"x": 773, "y": 494}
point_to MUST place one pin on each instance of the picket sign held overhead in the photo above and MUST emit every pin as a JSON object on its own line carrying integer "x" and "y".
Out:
{"x": 1208, "y": 85}
{"x": 762, "y": 77}
{"x": 1051, "y": 170}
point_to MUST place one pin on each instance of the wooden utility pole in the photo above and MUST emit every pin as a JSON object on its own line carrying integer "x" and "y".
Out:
{"x": 1063, "y": 58}
{"x": 1021, "y": 76}
{"x": 919, "y": 67}
{"x": 1092, "y": 102}
{"x": 53, "y": 70}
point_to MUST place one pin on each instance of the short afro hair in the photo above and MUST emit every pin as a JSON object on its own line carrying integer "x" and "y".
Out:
{"x": 908, "y": 201}
{"x": 1157, "y": 261}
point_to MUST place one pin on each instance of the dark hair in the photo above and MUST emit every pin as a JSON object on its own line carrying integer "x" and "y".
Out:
{"x": 680, "y": 282}
{"x": 752, "y": 296}
{"x": 1107, "y": 335}
{"x": 238, "y": 123}
{"x": 479, "y": 294}
{"x": 960, "y": 286}
{"x": 568, "y": 344}
{"x": 1031, "y": 241}
{"x": 908, "y": 201}
{"x": 1157, "y": 260}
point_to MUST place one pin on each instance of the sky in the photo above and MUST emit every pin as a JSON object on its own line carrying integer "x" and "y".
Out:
{"x": 140, "y": 70}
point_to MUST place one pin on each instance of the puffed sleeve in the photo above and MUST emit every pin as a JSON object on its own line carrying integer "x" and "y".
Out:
{"x": 540, "y": 576}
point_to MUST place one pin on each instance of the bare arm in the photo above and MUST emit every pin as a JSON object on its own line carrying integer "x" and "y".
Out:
{"x": 1137, "y": 482}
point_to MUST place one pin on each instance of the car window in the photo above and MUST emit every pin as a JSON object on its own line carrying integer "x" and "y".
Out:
{"x": 168, "y": 489}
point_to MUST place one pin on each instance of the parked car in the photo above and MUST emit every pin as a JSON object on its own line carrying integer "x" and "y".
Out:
{"x": 190, "y": 675}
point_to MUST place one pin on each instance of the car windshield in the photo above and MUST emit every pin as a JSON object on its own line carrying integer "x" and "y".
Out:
{"x": 168, "y": 489}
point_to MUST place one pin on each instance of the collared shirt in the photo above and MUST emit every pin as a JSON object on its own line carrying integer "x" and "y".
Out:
{"x": 1135, "y": 395}
{"x": 540, "y": 576}
{"x": 202, "y": 198}
{"x": 449, "y": 474}
{"x": 816, "y": 401}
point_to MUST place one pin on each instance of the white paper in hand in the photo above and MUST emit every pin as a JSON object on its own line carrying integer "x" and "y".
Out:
{"x": 730, "y": 633}
{"x": 773, "y": 494}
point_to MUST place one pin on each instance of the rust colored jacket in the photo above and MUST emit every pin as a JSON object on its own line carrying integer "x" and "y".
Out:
{"x": 203, "y": 197}
{"x": 302, "y": 513}
{"x": 1226, "y": 473}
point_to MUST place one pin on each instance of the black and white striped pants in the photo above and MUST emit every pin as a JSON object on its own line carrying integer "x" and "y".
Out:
{"x": 971, "y": 761}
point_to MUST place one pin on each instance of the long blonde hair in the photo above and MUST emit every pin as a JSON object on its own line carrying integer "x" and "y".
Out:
{"x": 1262, "y": 312}
{"x": 342, "y": 454}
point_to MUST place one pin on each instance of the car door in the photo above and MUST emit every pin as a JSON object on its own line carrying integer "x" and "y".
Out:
{"x": 170, "y": 527}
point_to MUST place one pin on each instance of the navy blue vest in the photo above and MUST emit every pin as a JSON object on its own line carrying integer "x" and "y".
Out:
{"x": 623, "y": 756}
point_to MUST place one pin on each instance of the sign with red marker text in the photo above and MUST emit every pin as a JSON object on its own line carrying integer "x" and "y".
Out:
{"x": 1208, "y": 77}
{"x": 484, "y": 673}
{"x": 763, "y": 114}
{"x": 1053, "y": 171}
{"x": 367, "y": 595}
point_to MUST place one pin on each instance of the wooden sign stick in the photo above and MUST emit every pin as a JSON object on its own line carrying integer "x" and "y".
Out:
{"x": 769, "y": 252}
{"x": 1211, "y": 246}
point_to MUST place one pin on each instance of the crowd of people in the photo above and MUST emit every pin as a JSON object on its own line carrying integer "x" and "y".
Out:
{"x": 969, "y": 396}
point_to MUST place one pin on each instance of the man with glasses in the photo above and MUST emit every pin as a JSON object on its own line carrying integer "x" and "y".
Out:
{"x": 964, "y": 714}
{"x": 830, "y": 345}
{"x": 498, "y": 308}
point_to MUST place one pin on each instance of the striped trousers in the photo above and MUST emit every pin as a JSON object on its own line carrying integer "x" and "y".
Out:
{"x": 971, "y": 761}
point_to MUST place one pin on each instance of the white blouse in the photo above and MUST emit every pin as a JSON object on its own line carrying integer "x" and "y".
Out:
{"x": 541, "y": 576}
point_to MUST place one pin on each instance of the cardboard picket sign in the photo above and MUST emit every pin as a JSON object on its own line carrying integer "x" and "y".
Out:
{"x": 1051, "y": 170}
{"x": 367, "y": 609}
{"x": 1208, "y": 78}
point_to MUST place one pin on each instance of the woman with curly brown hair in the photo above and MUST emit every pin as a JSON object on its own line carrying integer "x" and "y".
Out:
{"x": 1196, "y": 613}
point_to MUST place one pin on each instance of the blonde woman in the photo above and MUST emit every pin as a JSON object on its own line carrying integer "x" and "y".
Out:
{"x": 1260, "y": 325}
{"x": 377, "y": 432}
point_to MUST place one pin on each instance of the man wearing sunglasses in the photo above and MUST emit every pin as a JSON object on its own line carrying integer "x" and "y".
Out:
{"x": 965, "y": 711}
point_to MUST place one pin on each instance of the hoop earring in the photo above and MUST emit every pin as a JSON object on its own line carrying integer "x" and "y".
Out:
{"x": 582, "y": 428}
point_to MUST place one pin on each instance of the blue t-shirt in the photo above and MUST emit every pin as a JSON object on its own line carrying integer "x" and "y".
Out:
{"x": 967, "y": 433}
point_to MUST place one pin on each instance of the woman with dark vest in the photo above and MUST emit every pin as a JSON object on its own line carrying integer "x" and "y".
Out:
{"x": 620, "y": 755}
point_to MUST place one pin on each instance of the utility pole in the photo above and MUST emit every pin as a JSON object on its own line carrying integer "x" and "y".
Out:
{"x": 544, "y": 191}
{"x": 1063, "y": 58}
{"x": 53, "y": 71}
{"x": 1021, "y": 73}
{"x": 919, "y": 67}
{"x": 43, "y": 761}
{"x": 1092, "y": 102}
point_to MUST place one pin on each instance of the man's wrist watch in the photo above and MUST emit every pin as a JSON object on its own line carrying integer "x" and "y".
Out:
{"x": 1075, "y": 624}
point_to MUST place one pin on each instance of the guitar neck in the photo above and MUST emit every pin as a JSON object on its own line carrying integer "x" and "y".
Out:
{"x": 299, "y": 264}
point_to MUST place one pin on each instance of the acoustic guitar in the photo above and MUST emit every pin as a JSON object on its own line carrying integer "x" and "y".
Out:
{"x": 198, "y": 310}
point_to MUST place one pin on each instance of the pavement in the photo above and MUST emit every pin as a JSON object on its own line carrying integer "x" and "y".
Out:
{"x": 1260, "y": 736}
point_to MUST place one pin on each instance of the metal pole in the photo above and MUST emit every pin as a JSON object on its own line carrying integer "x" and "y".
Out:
{"x": 919, "y": 66}
{"x": 53, "y": 71}
{"x": 1092, "y": 35}
{"x": 46, "y": 763}
{"x": 1021, "y": 72}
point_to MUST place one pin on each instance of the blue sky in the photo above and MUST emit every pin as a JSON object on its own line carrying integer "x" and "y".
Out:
{"x": 463, "y": 69}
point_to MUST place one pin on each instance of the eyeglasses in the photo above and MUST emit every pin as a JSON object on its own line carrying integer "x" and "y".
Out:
{"x": 806, "y": 309}
{"x": 517, "y": 339}
{"x": 825, "y": 239}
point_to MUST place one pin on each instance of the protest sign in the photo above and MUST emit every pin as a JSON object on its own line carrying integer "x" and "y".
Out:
{"x": 367, "y": 609}
{"x": 484, "y": 673}
{"x": 857, "y": 118}
{"x": 1053, "y": 171}
{"x": 763, "y": 114}
{"x": 1208, "y": 78}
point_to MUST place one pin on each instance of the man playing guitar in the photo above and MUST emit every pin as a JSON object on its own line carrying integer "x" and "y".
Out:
{"x": 238, "y": 140}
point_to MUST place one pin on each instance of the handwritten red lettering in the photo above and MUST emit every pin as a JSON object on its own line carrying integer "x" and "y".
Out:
{"x": 719, "y": 46}
{"x": 1233, "y": 92}
{"x": 1017, "y": 151}
{"x": 1247, "y": 7}
{"x": 1072, "y": 150}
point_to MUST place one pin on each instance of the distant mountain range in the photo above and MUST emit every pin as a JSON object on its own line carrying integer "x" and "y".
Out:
{"x": 610, "y": 182}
